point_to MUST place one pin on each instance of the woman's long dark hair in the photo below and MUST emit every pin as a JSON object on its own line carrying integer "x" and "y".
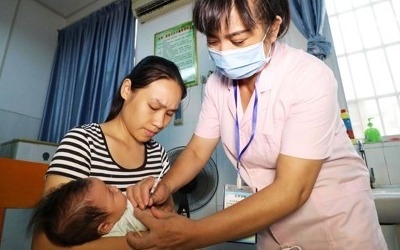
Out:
{"x": 148, "y": 70}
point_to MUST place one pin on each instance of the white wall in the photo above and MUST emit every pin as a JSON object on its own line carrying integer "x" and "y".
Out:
{"x": 28, "y": 39}
{"x": 28, "y": 36}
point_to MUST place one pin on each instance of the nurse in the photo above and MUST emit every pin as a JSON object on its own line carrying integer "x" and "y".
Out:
{"x": 275, "y": 110}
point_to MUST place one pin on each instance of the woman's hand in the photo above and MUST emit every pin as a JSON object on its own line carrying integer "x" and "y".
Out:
{"x": 140, "y": 196}
{"x": 167, "y": 206}
{"x": 168, "y": 231}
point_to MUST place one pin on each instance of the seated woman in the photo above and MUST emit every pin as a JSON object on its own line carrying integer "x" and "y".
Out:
{"x": 120, "y": 151}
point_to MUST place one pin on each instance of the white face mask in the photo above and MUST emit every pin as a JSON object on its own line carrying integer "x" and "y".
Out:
{"x": 240, "y": 63}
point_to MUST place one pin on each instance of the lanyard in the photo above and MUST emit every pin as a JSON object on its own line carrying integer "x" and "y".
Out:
{"x": 237, "y": 132}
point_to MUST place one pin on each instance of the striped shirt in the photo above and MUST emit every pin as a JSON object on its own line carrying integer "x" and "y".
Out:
{"x": 83, "y": 152}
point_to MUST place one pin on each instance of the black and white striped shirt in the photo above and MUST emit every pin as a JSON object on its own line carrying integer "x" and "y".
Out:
{"x": 83, "y": 153}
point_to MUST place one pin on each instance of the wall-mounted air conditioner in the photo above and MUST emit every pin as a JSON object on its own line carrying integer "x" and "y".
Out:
{"x": 145, "y": 10}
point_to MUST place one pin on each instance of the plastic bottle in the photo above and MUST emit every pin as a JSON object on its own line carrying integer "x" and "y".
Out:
{"x": 346, "y": 119}
{"x": 372, "y": 134}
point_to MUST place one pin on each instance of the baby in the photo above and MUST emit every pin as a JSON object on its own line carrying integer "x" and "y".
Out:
{"x": 84, "y": 210}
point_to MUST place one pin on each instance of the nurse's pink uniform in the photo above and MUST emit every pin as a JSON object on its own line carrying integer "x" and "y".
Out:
{"x": 298, "y": 115}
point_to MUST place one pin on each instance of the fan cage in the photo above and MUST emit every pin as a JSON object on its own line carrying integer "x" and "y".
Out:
{"x": 207, "y": 183}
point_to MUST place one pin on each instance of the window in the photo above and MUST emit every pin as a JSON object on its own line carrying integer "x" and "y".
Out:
{"x": 366, "y": 37}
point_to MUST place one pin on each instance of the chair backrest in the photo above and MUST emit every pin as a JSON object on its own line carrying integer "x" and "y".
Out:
{"x": 21, "y": 185}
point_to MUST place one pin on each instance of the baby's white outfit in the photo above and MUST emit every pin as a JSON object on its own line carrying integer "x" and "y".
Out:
{"x": 127, "y": 223}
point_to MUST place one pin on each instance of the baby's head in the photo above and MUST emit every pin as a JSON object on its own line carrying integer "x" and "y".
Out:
{"x": 79, "y": 211}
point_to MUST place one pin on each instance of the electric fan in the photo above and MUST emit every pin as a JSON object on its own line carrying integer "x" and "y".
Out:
{"x": 199, "y": 191}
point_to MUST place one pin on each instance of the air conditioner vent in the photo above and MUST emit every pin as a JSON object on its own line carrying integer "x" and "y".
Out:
{"x": 145, "y": 10}
{"x": 153, "y": 6}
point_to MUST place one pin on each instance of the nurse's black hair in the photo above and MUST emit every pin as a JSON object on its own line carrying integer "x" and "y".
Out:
{"x": 207, "y": 14}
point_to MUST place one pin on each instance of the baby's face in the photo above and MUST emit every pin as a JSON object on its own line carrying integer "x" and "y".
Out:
{"x": 108, "y": 197}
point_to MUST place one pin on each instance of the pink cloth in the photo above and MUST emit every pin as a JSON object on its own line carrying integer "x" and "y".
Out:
{"x": 298, "y": 115}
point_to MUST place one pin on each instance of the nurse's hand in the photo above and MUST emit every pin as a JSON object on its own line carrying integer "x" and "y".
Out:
{"x": 168, "y": 231}
{"x": 140, "y": 196}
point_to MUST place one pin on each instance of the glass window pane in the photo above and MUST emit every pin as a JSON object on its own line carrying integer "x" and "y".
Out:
{"x": 337, "y": 34}
{"x": 330, "y": 8}
{"x": 395, "y": 7}
{"x": 386, "y": 22}
{"x": 345, "y": 75}
{"x": 393, "y": 54}
{"x": 366, "y": 35}
{"x": 380, "y": 72}
{"x": 349, "y": 28}
{"x": 367, "y": 25}
{"x": 359, "y": 3}
{"x": 369, "y": 109}
{"x": 357, "y": 124}
{"x": 342, "y": 5}
{"x": 390, "y": 112}
{"x": 360, "y": 75}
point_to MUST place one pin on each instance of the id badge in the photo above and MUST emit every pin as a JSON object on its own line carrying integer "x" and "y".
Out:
{"x": 233, "y": 194}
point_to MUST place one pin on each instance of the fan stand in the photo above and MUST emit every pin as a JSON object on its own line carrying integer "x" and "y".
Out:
{"x": 183, "y": 208}
{"x": 199, "y": 191}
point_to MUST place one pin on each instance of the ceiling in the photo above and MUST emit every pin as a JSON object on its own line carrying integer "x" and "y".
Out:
{"x": 66, "y": 8}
